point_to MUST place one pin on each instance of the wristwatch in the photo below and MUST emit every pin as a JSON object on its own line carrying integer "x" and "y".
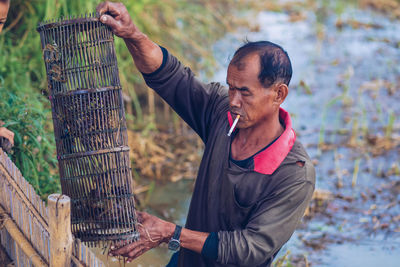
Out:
{"x": 174, "y": 244}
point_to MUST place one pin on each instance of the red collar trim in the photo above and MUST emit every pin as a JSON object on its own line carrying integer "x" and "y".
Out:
{"x": 267, "y": 161}
{"x": 230, "y": 119}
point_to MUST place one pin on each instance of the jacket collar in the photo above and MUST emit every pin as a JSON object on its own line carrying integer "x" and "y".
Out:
{"x": 268, "y": 160}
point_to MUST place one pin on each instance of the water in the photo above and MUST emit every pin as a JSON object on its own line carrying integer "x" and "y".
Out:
{"x": 344, "y": 92}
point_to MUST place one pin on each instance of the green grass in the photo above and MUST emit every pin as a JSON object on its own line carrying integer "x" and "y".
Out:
{"x": 33, "y": 152}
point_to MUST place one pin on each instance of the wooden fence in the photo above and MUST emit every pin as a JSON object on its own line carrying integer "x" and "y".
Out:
{"x": 26, "y": 227}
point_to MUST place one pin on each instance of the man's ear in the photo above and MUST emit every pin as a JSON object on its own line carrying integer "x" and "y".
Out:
{"x": 282, "y": 91}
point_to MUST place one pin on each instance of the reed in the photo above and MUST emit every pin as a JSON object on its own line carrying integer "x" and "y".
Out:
{"x": 321, "y": 136}
{"x": 389, "y": 126}
{"x": 355, "y": 172}
{"x": 338, "y": 169}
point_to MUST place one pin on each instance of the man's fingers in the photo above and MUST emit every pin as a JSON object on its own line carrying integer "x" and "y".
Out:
{"x": 11, "y": 137}
{"x": 4, "y": 132}
{"x": 125, "y": 250}
{"x": 135, "y": 255}
{"x": 119, "y": 244}
{"x": 117, "y": 17}
{"x": 143, "y": 215}
{"x": 139, "y": 214}
{"x": 108, "y": 12}
{"x": 109, "y": 21}
{"x": 108, "y": 8}
{"x": 100, "y": 8}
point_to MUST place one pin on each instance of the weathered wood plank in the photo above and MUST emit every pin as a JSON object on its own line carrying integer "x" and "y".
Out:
{"x": 23, "y": 244}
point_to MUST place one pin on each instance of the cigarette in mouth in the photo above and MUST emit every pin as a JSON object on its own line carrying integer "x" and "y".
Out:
{"x": 233, "y": 125}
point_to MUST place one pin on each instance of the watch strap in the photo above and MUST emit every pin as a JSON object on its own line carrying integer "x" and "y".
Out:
{"x": 174, "y": 244}
{"x": 177, "y": 232}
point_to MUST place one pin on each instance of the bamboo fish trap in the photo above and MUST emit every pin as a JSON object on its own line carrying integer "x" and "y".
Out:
{"x": 90, "y": 128}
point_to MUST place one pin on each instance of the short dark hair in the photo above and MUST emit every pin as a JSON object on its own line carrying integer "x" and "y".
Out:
{"x": 275, "y": 63}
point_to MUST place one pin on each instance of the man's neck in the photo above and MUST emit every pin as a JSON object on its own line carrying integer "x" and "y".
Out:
{"x": 249, "y": 141}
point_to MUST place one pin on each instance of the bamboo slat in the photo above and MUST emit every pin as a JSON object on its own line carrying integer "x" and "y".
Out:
{"x": 24, "y": 247}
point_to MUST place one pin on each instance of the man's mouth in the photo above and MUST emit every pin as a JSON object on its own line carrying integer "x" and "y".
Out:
{"x": 234, "y": 114}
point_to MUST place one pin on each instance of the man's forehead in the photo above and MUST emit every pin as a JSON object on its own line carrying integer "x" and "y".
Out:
{"x": 245, "y": 61}
{"x": 248, "y": 67}
{"x": 249, "y": 63}
{"x": 240, "y": 65}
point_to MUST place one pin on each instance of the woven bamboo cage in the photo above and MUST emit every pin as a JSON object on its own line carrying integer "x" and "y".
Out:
{"x": 90, "y": 127}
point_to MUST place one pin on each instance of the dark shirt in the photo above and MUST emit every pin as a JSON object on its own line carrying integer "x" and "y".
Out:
{"x": 253, "y": 210}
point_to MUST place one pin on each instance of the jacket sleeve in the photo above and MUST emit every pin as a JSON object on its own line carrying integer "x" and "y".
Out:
{"x": 194, "y": 101}
{"x": 270, "y": 226}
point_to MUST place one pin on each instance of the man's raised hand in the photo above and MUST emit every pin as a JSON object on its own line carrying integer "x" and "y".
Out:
{"x": 146, "y": 54}
{"x": 116, "y": 16}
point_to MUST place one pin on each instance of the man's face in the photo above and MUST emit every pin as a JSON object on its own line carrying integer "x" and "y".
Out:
{"x": 3, "y": 13}
{"x": 247, "y": 97}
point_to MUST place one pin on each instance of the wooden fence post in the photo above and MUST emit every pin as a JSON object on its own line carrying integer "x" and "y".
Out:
{"x": 60, "y": 230}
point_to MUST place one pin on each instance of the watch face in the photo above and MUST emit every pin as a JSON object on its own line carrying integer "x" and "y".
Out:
{"x": 174, "y": 244}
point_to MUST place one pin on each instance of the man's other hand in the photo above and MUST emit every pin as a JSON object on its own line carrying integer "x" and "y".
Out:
{"x": 116, "y": 16}
{"x": 4, "y": 132}
{"x": 153, "y": 231}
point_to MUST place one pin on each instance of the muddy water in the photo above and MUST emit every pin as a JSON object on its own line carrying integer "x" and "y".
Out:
{"x": 344, "y": 103}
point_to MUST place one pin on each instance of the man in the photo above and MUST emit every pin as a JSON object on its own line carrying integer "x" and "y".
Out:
{"x": 6, "y": 136}
{"x": 253, "y": 186}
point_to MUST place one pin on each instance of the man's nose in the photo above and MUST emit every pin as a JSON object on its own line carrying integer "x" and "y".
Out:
{"x": 235, "y": 99}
